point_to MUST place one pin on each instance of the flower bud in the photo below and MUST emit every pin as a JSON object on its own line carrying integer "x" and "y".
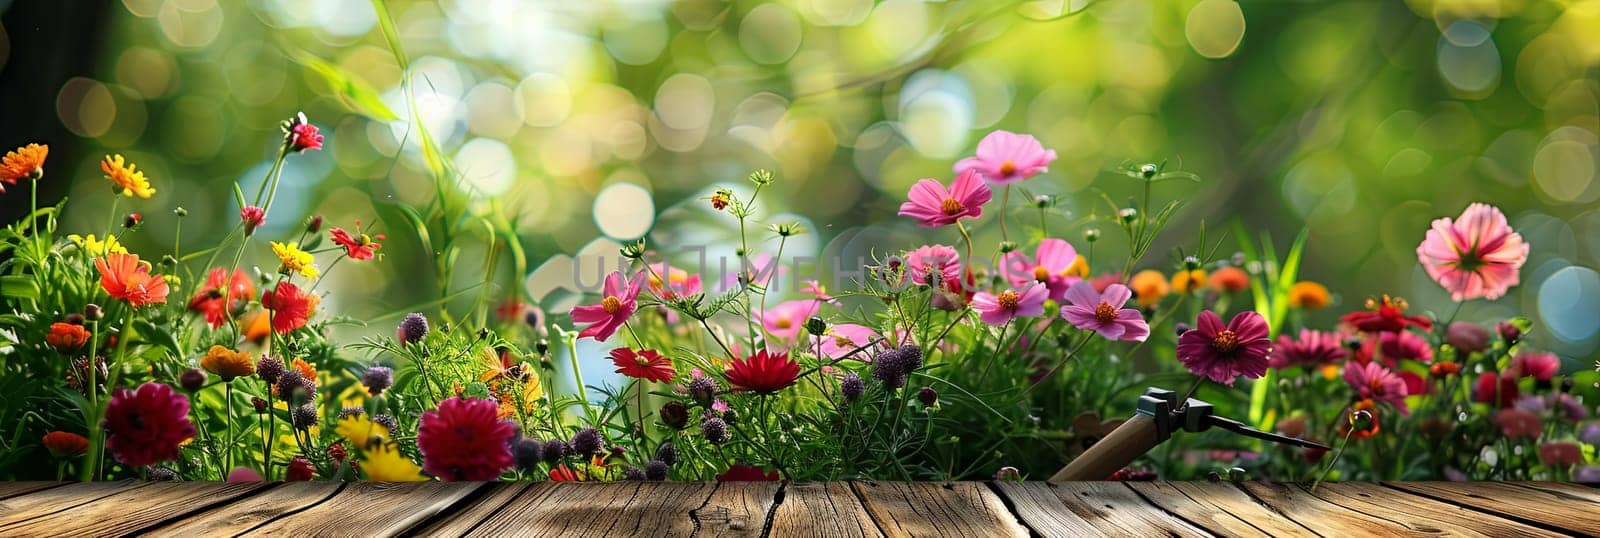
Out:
{"x": 674, "y": 414}
{"x": 1467, "y": 337}
{"x": 93, "y": 312}
{"x": 1191, "y": 263}
{"x": 1006, "y": 247}
{"x": 1508, "y": 332}
{"x": 1008, "y": 473}
{"x": 1091, "y": 235}
{"x": 1128, "y": 214}
{"x": 192, "y": 379}
{"x": 314, "y": 224}
{"x": 928, "y": 397}
{"x": 816, "y": 326}
{"x": 180, "y": 212}
{"x": 1147, "y": 170}
{"x": 132, "y": 220}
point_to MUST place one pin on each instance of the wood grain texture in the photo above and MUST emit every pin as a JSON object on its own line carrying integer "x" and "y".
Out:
{"x": 931, "y": 508}
{"x": 1322, "y": 517}
{"x": 1419, "y": 513}
{"x": 370, "y": 509}
{"x": 736, "y": 509}
{"x": 1219, "y": 508}
{"x": 13, "y": 489}
{"x": 49, "y": 501}
{"x": 1553, "y": 505}
{"x": 824, "y": 510}
{"x": 608, "y": 509}
{"x": 133, "y": 509}
{"x": 492, "y": 497}
{"x": 1108, "y": 507}
{"x": 238, "y": 516}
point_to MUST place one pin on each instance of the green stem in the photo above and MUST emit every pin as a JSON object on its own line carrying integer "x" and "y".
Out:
{"x": 577, "y": 375}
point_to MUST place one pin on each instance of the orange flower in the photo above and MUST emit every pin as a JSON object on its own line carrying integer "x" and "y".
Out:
{"x": 256, "y": 326}
{"x": 1309, "y": 295}
{"x": 66, "y": 336}
{"x": 64, "y": 444}
{"x": 127, "y": 176}
{"x": 306, "y": 369}
{"x": 290, "y": 307}
{"x": 1149, "y": 286}
{"x": 24, "y": 162}
{"x": 126, "y": 278}
{"x": 1230, "y": 280}
{"x": 1188, "y": 280}
{"x": 227, "y": 363}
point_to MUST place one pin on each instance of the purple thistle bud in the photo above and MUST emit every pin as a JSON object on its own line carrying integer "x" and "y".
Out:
{"x": 289, "y": 383}
{"x": 703, "y": 389}
{"x": 928, "y": 397}
{"x": 528, "y": 453}
{"x": 412, "y": 328}
{"x": 350, "y": 411}
{"x": 554, "y": 450}
{"x": 192, "y": 380}
{"x": 269, "y": 368}
{"x": 162, "y": 474}
{"x": 386, "y": 421}
{"x": 586, "y": 442}
{"x": 715, "y": 430}
{"x": 851, "y": 387}
{"x": 304, "y": 417}
{"x": 675, "y": 414}
{"x": 667, "y": 454}
{"x": 377, "y": 379}
{"x": 655, "y": 470}
{"x": 632, "y": 473}
{"x": 259, "y": 404}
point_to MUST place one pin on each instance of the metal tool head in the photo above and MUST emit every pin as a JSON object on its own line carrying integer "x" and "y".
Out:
{"x": 1197, "y": 416}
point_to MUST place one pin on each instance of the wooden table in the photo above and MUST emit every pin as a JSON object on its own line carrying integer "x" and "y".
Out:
{"x": 799, "y": 509}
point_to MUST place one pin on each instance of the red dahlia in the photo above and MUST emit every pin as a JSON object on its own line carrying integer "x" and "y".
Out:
{"x": 1387, "y": 314}
{"x": 763, "y": 372}
{"x": 464, "y": 439}
{"x": 146, "y": 426}
{"x": 643, "y": 364}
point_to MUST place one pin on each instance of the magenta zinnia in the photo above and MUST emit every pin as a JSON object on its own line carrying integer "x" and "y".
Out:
{"x": 465, "y": 440}
{"x": 147, "y": 425}
{"x": 1222, "y": 353}
{"x": 1477, "y": 255}
{"x": 1372, "y": 381}
{"x": 932, "y": 205}
{"x": 1310, "y": 348}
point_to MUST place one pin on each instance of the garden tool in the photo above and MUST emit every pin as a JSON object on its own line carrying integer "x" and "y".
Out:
{"x": 1156, "y": 418}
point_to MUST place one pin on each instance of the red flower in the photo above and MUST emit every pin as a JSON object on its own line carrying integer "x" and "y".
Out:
{"x": 1359, "y": 426}
{"x": 359, "y": 246}
{"x": 1518, "y": 423}
{"x": 763, "y": 372}
{"x": 747, "y": 473}
{"x": 146, "y": 426}
{"x": 562, "y": 473}
{"x": 1385, "y": 315}
{"x": 299, "y": 470}
{"x": 64, "y": 444}
{"x": 253, "y": 217}
{"x": 1222, "y": 353}
{"x": 125, "y": 278}
{"x": 304, "y": 136}
{"x": 1560, "y": 454}
{"x": 1501, "y": 391}
{"x": 66, "y": 336}
{"x": 464, "y": 439}
{"x": 290, "y": 307}
{"x": 1538, "y": 365}
{"x": 210, "y": 300}
{"x": 644, "y": 364}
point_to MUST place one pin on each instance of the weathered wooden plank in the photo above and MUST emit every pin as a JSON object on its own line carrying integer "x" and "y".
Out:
{"x": 238, "y": 516}
{"x": 823, "y": 510}
{"x": 929, "y": 508}
{"x": 1219, "y": 508}
{"x": 13, "y": 489}
{"x": 1545, "y": 504}
{"x": 1323, "y": 517}
{"x": 370, "y": 509}
{"x": 1421, "y": 512}
{"x": 457, "y": 523}
{"x": 736, "y": 509}
{"x": 606, "y": 509}
{"x": 133, "y": 509}
{"x": 1108, "y": 507}
{"x": 1580, "y": 491}
{"x": 49, "y": 501}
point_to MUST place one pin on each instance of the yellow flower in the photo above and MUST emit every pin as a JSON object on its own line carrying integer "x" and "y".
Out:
{"x": 1309, "y": 295}
{"x": 1149, "y": 286}
{"x": 1079, "y": 267}
{"x": 126, "y": 176}
{"x": 387, "y": 464}
{"x": 1184, "y": 281}
{"x": 96, "y": 248}
{"x": 291, "y": 259}
{"x": 361, "y": 432}
{"x": 227, "y": 363}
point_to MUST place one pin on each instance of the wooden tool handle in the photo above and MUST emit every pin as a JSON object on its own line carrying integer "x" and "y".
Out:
{"x": 1125, "y": 444}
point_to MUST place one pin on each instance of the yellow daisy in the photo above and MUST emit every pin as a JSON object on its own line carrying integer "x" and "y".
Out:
{"x": 96, "y": 248}
{"x": 126, "y": 176}
{"x": 387, "y": 464}
{"x": 294, "y": 260}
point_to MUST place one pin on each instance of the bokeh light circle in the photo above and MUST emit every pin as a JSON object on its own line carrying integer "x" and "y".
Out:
{"x": 487, "y": 166}
{"x": 624, "y": 211}
{"x": 1569, "y": 303}
{"x": 1215, "y": 28}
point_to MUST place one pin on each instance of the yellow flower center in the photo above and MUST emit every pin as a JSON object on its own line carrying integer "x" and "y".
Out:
{"x": 1105, "y": 313}
{"x": 1007, "y": 168}
{"x": 1008, "y": 300}
{"x": 611, "y": 304}
{"x": 783, "y": 323}
{"x": 1225, "y": 341}
{"x": 1041, "y": 274}
{"x": 641, "y": 360}
{"x": 950, "y": 206}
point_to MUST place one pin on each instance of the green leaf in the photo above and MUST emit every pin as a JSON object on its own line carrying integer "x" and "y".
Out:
{"x": 19, "y": 286}
{"x": 351, "y": 90}
{"x": 158, "y": 336}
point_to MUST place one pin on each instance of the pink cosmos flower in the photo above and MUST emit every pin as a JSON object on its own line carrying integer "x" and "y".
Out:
{"x": 932, "y": 205}
{"x": 1373, "y": 381}
{"x": 817, "y": 291}
{"x": 843, "y": 338}
{"x": 1396, "y": 346}
{"x": 1006, "y": 157}
{"x": 1010, "y": 304}
{"x": 1476, "y": 255}
{"x": 1311, "y": 348}
{"x": 1103, "y": 313}
{"x": 929, "y": 260}
{"x": 787, "y": 319}
{"x": 1536, "y": 364}
{"x": 669, "y": 282}
{"x": 617, "y": 305}
{"x": 1222, "y": 353}
{"x": 1049, "y": 266}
